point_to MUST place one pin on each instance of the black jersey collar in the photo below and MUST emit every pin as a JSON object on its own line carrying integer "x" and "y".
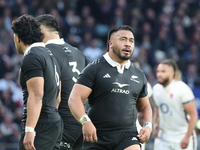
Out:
{"x": 55, "y": 41}
{"x": 115, "y": 64}
{"x": 37, "y": 44}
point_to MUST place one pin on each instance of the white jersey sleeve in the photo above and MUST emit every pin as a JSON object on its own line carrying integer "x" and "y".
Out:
{"x": 187, "y": 94}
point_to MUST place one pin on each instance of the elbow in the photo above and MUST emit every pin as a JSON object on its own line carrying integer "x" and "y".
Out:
{"x": 36, "y": 96}
{"x": 39, "y": 96}
{"x": 194, "y": 115}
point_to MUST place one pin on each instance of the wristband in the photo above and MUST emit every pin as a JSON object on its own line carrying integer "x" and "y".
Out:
{"x": 29, "y": 129}
{"x": 148, "y": 124}
{"x": 84, "y": 119}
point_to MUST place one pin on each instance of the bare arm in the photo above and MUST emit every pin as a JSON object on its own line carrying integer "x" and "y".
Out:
{"x": 35, "y": 88}
{"x": 156, "y": 121}
{"x": 144, "y": 110}
{"x": 144, "y": 115}
{"x": 78, "y": 95}
{"x": 58, "y": 98}
{"x": 190, "y": 109}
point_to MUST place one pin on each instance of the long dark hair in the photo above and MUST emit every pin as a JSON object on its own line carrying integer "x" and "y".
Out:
{"x": 172, "y": 63}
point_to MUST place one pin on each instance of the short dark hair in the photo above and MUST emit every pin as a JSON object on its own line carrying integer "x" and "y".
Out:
{"x": 27, "y": 29}
{"x": 118, "y": 28}
{"x": 48, "y": 21}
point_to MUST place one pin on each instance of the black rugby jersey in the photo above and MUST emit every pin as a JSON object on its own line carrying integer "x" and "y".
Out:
{"x": 114, "y": 94}
{"x": 38, "y": 62}
{"x": 71, "y": 62}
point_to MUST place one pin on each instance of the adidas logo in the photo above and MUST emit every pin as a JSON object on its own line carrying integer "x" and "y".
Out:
{"x": 106, "y": 76}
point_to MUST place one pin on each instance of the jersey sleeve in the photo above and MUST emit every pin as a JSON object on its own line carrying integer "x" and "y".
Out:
{"x": 87, "y": 76}
{"x": 154, "y": 94}
{"x": 186, "y": 94}
{"x": 144, "y": 92}
{"x": 32, "y": 66}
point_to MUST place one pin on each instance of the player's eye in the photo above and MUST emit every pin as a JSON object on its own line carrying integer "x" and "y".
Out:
{"x": 123, "y": 39}
{"x": 131, "y": 41}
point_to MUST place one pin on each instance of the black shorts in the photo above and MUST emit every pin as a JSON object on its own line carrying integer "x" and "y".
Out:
{"x": 113, "y": 141}
{"x": 48, "y": 136}
{"x": 72, "y": 146}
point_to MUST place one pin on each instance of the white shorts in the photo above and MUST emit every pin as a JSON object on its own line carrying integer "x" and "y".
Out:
{"x": 166, "y": 145}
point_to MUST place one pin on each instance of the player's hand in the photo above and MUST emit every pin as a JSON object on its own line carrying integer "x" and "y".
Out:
{"x": 89, "y": 132}
{"x": 144, "y": 134}
{"x": 29, "y": 141}
{"x": 184, "y": 142}
{"x": 156, "y": 127}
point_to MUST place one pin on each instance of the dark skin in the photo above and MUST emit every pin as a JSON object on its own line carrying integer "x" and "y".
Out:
{"x": 121, "y": 46}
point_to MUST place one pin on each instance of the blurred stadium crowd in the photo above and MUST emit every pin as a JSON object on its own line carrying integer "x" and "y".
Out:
{"x": 163, "y": 29}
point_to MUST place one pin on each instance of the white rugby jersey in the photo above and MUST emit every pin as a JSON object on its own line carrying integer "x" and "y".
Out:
{"x": 173, "y": 120}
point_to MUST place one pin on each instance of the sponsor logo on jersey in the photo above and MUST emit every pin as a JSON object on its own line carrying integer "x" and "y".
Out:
{"x": 133, "y": 77}
{"x": 120, "y": 90}
{"x": 121, "y": 85}
{"x": 106, "y": 76}
{"x": 134, "y": 138}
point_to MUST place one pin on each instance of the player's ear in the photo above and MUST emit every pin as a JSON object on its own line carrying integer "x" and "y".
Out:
{"x": 17, "y": 38}
{"x": 110, "y": 43}
{"x": 42, "y": 31}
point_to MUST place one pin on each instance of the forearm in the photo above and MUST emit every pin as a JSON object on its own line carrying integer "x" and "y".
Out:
{"x": 145, "y": 115}
{"x": 155, "y": 116}
{"x": 191, "y": 125}
{"x": 76, "y": 107}
{"x": 34, "y": 105}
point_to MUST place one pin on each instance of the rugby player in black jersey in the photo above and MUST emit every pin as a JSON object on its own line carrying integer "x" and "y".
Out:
{"x": 71, "y": 62}
{"x": 116, "y": 91}
{"x": 39, "y": 78}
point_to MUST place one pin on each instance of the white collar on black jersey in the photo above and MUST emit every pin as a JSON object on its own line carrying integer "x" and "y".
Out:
{"x": 115, "y": 64}
{"x": 55, "y": 41}
{"x": 37, "y": 44}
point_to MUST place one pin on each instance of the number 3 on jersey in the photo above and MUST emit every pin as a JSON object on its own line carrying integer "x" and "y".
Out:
{"x": 74, "y": 69}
